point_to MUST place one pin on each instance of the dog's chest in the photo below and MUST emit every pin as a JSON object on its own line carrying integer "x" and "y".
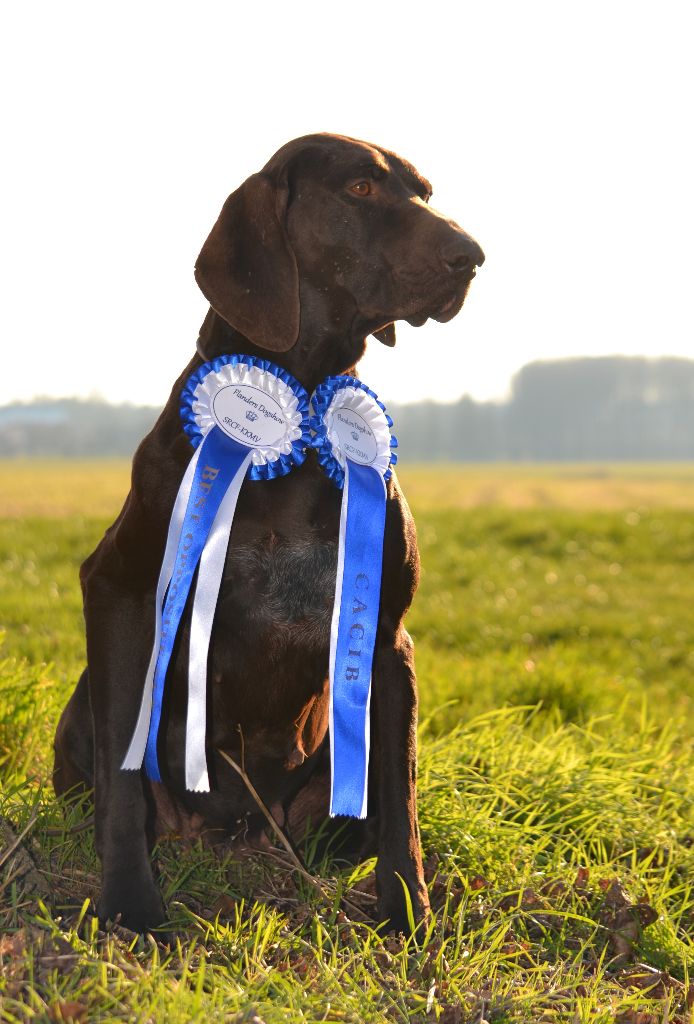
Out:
{"x": 282, "y": 585}
{"x": 278, "y": 585}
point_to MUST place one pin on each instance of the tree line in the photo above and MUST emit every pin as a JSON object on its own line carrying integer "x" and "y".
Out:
{"x": 619, "y": 408}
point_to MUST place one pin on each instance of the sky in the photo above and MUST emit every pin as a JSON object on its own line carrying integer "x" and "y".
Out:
{"x": 559, "y": 134}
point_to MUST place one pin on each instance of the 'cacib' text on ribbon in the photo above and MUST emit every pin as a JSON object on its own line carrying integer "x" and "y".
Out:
{"x": 353, "y": 635}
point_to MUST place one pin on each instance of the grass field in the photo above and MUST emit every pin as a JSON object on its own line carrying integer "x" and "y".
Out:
{"x": 555, "y": 647}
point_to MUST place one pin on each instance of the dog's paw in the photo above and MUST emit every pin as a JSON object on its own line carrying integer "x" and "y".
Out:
{"x": 139, "y": 908}
{"x": 394, "y": 913}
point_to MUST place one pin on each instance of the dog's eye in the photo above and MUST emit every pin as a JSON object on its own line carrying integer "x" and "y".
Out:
{"x": 361, "y": 188}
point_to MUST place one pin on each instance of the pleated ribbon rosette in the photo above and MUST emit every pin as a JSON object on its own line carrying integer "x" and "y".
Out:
{"x": 246, "y": 418}
{"x": 354, "y": 445}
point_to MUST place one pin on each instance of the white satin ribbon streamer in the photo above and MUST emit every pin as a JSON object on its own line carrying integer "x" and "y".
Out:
{"x": 136, "y": 751}
{"x": 209, "y": 580}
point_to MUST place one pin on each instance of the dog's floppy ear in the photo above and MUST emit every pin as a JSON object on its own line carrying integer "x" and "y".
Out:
{"x": 246, "y": 268}
{"x": 386, "y": 335}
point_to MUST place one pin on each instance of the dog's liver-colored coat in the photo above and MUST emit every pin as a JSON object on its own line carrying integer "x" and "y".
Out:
{"x": 331, "y": 242}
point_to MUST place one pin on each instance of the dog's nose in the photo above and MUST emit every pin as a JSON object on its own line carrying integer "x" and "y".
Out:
{"x": 461, "y": 253}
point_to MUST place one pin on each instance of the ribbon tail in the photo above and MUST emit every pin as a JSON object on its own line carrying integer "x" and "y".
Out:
{"x": 136, "y": 751}
{"x": 219, "y": 461}
{"x": 207, "y": 587}
{"x": 353, "y": 636}
{"x": 334, "y": 631}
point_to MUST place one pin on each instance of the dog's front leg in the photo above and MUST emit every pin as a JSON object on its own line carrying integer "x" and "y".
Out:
{"x": 395, "y": 776}
{"x": 117, "y": 655}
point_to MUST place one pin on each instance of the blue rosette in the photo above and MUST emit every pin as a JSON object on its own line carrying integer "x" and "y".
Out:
{"x": 353, "y": 440}
{"x": 197, "y": 412}
{"x": 245, "y": 418}
{"x": 331, "y": 454}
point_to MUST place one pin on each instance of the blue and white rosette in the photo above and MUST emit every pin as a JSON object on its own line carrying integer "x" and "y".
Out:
{"x": 245, "y": 417}
{"x": 354, "y": 445}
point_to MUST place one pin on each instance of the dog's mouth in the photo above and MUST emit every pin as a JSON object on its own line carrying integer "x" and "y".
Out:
{"x": 450, "y": 309}
{"x": 445, "y": 312}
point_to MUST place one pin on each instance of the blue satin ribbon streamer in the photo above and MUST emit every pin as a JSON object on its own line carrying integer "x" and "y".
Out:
{"x": 221, "y": 458}
{"x": 354, "y": 635}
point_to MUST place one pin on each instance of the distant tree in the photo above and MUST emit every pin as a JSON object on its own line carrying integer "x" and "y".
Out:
{"x": 72, "y": 428}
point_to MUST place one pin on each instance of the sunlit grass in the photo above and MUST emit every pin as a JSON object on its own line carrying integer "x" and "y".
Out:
{"x": 554, "y": 633}
{"x": 84, "y": 487}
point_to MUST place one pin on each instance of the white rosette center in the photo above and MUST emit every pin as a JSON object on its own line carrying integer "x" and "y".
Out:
{"x": 357, "y": 429}
{"x": 252, "y": 406}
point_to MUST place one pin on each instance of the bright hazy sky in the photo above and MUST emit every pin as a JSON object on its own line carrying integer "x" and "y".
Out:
{"x": 559, "y": 134}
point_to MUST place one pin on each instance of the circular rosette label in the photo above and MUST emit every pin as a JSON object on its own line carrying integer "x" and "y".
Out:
{"x": 352, "y": 436}
{"x": 351, "y": 423}
{"x": 249, "y": 415}
{"x": 256, "y": 404}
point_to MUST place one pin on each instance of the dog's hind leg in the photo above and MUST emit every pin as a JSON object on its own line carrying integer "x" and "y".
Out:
{"x": 73, "y": 766}
{"x": 309, "y": 824}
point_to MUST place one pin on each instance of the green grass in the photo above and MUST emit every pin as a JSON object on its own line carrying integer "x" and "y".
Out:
{"x": 553, "y": 630}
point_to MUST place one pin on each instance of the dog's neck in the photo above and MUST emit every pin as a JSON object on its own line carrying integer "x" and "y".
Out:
{"x": 316, "y": 354}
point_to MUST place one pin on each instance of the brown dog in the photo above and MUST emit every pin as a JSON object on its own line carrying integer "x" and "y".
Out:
{"x": 331, "y": 242}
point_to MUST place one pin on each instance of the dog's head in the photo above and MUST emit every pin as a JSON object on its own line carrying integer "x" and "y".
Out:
{"x": 336, "y": 230}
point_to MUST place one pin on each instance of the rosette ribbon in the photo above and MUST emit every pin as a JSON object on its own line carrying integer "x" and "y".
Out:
{"x": 246, "y": 418}
{"x": 354, "y": 446}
